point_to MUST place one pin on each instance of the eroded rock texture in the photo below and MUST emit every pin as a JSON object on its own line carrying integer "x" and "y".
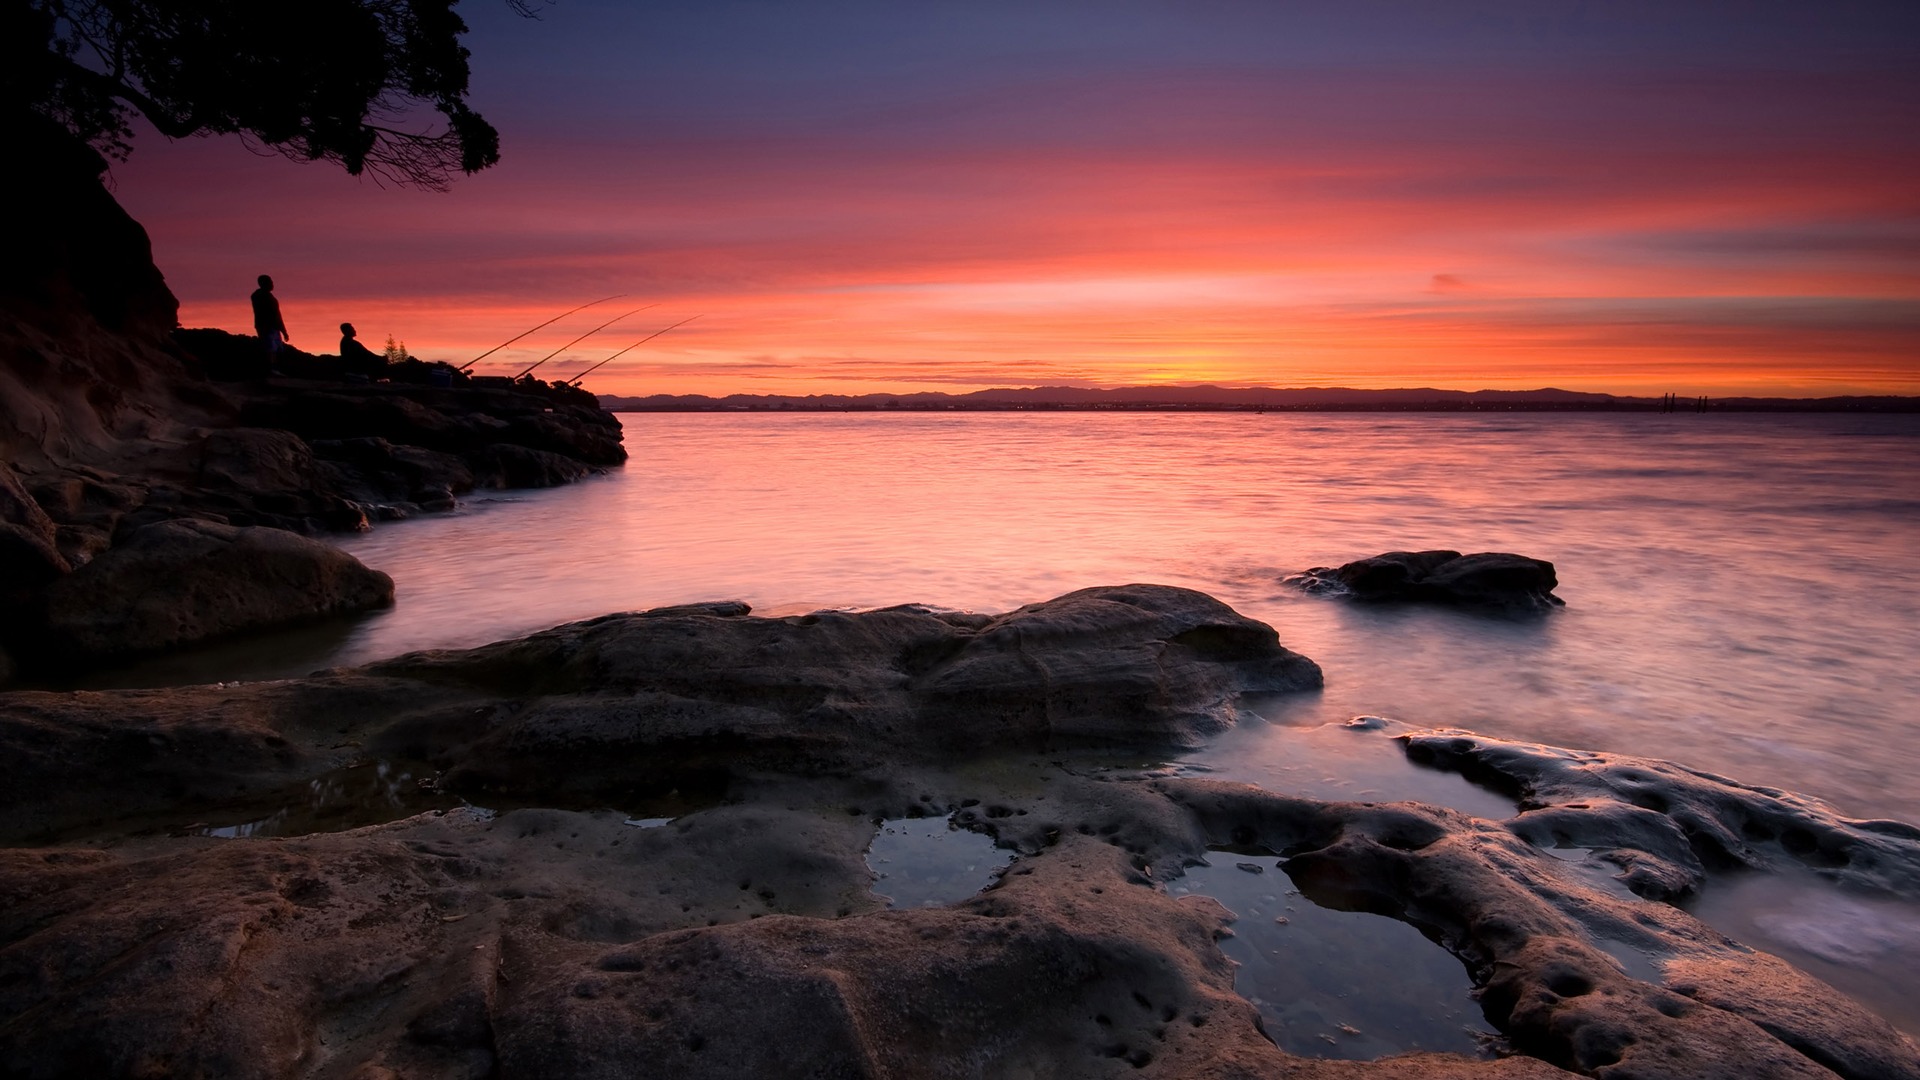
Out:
{"x": 1668, "y": 825}
{"x": 743, "y": 938}
{"x": 1487, "y": 580}
{"x": 1535, "y": 934}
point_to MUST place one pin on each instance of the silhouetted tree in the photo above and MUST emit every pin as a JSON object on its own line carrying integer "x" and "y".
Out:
{"x": 378, "y": 86}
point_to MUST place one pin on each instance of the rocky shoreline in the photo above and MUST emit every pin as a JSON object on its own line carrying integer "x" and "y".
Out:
{"x": 173, "y": 473}
{"x": 201, "y": 524}
{"x": 637, "y": 845}
{"x": 548, "y": 935}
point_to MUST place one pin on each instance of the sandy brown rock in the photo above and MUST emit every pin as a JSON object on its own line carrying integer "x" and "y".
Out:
{"x": 178, "y": 582}
{"x": 1534, "y": 934}
{"x": 545, "y": 943}
{"x": 743, "y": 937}
{"x": 1670, "y": 824}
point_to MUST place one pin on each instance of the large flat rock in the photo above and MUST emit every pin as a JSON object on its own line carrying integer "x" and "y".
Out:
{"x": 662, "y": 699}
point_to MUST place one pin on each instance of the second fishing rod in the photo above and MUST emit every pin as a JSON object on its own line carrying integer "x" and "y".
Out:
{"x": 523, "y": 372}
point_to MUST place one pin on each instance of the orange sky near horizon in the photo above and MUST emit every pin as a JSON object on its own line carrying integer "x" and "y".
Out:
{"x": 1746, "y": 234}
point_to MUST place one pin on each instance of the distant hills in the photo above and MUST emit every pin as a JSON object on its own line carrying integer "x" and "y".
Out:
{"x": 1208, "y": 398}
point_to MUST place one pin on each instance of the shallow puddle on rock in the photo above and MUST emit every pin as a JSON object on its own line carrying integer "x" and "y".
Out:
{"x": 1336, "y": 984}
{"x": 1595, "y": 871}
{"x": 1354, "y": 761}
{"x": 1634, "y": 961}
{"x": 377, "y": 792}
{"x": 370, "y": 793}
{"x": 931, "y": 862}
{"x": 1866, "y": 946}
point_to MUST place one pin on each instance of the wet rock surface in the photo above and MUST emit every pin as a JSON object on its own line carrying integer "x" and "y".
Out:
{"x": 676, "y": 698}
{"x": 740, "y": 933}
{"x": 176, "y": 582}
{"x": 1670, "y": 824}
{"x": 1539, "y": 939}
{"x": 1487, "y": 580}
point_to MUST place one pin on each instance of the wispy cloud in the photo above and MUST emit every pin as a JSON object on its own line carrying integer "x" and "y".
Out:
{"x": 1243, "y": 195}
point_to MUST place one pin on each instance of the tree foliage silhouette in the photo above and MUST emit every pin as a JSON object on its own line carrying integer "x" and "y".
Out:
{"x": 378, "y": 86}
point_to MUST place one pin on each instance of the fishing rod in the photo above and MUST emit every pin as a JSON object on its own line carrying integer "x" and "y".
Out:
{"x": 578, "y": 340}
{"x": 575, "y": 381}
{"x": 543, "y": 325}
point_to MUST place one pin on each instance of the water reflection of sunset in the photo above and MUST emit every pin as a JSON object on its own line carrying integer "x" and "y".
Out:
{"x": 1594, "y": 201}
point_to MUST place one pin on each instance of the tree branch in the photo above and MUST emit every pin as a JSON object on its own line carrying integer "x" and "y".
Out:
{"x": 163, "y": 122}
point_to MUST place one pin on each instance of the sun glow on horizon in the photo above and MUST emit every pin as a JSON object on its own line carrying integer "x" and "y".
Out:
{"x": 1628, "y": 223}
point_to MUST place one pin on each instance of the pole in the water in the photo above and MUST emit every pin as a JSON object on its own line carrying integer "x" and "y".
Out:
{"x": 575, "y": 381}
{"x": 543, "y": 325}
{"x": 578, "y": 340}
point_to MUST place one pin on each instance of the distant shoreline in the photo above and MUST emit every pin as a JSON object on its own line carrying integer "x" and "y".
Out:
{"x": 1254, "y": 399}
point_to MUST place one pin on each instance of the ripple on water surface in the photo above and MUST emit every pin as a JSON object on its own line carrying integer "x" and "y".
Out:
{"x": 1867, "y": 946}
{"x": 931, "y": 862}
{"x": 1336, "y": 984}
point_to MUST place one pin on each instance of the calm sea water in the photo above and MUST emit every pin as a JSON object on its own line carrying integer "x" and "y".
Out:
{"x": 1743, "y": 592}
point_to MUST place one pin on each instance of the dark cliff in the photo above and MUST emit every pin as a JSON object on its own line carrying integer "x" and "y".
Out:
{"x": 115, "y": 422}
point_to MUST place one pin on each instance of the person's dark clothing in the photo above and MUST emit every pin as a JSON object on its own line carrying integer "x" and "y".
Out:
{"x": 358, "y": 358}
{"x": 266, "y": 314}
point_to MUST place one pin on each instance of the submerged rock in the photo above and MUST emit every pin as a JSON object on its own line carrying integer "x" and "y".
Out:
{"x": 174, "y": 583}
{"x": 1490, "y": 579}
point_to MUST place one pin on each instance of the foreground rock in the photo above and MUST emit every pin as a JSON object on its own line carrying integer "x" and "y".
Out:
{"x": 1667, "y": 825}
{"x": 1536, "y": 935}
{"x": 175, "y": 583}
{"x": 628, "y": 705}
{"x": 744, "y": 939}
{"x": 1490, "y": 579}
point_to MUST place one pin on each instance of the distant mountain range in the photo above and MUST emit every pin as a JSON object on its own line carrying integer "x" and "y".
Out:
{"x": 1208, "y": 398}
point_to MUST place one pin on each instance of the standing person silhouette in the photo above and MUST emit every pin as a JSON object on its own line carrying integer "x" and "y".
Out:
{"x": 267, "y": 321}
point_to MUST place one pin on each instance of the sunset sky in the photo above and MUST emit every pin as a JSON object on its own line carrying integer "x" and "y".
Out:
{"x": 1702, "y": 198}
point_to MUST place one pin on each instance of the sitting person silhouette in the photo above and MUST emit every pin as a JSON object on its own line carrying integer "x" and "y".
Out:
{"x": 356, "y": 357}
